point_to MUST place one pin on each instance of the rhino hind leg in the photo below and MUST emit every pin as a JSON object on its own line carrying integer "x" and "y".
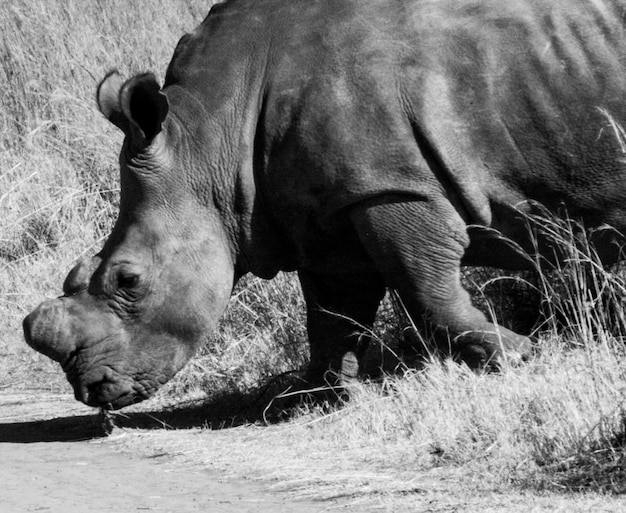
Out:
{"x": 417, "y": 245}
{"x": 341, "y": 310}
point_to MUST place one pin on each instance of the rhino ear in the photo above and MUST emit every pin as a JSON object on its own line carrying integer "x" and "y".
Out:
{"x": 136, "y": 106}
{"x": 143, "y": 105}
{"x": 108, "y": 97}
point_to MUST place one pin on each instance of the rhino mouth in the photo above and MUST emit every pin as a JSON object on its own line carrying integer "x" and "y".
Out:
{"x": 104, "y": 387}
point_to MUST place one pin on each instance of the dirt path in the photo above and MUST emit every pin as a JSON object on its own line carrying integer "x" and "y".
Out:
{"x": 64, "y": 463}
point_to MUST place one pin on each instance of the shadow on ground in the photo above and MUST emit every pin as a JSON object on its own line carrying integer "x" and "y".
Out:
{"x": 224, "y": 411}
{"x": 62, "y": 429}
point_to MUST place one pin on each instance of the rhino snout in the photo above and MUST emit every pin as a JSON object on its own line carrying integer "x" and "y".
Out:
{"x": 45, "y": 330}
{"x": 105, "y": 388}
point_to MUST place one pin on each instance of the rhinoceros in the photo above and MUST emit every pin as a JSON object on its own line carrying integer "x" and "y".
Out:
{"x": 365, "y": 144}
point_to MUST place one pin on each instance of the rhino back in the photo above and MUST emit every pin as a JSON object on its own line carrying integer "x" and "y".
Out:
{"x": 487, "y": 103}
{"x": 517, "y": 99}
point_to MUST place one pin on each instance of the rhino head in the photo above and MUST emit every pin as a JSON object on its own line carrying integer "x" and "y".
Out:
{"x": 132, "y": 316}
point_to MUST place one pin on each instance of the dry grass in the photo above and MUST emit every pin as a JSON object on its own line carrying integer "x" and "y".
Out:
{"x": 58, "y": 155}
{"x": 553, "y": 425}
{"x": 546, "y": 436}
{"x": 262, "y": 335}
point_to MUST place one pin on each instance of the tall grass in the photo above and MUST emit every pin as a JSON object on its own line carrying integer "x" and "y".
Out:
{"x": 58, "y": 155}
{"x": 582, "y": 298}
{"x": 556, "y": 422}
{"x": 262, "y": 335}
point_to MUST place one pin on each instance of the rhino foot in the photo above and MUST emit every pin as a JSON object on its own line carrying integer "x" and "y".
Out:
{"x": 489, "y": 351}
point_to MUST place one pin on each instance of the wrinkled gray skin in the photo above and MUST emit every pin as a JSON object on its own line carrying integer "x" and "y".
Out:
{"x": 365, "y": 144}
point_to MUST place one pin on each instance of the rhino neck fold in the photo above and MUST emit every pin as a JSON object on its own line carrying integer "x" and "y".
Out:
{"x": 222, "y": 157}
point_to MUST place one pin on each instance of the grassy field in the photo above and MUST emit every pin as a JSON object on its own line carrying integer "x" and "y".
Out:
{"x": 58, "y": 155}
{"x": 550, "y": 432}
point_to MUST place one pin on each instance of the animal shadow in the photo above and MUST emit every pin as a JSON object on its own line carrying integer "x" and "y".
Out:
{"x": 275, "y": 402}
{"x": 62, "y": 429}
{"x": 265, "y": 404}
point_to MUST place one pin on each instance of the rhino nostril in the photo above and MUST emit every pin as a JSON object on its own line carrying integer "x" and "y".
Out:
{"x": 69, "y": 363}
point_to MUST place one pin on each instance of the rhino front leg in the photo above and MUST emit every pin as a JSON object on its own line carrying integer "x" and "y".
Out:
{"x": 417, "y": 245}
{"x": 340, "y": 311}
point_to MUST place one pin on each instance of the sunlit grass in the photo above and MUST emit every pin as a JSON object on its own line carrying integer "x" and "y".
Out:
{"x": 58, "y": 155}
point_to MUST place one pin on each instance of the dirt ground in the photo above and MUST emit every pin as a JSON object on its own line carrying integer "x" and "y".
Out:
{"x": 55, "y": 456}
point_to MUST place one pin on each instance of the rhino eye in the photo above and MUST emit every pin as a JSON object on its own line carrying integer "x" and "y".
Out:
{"x": 126, "y": 280}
